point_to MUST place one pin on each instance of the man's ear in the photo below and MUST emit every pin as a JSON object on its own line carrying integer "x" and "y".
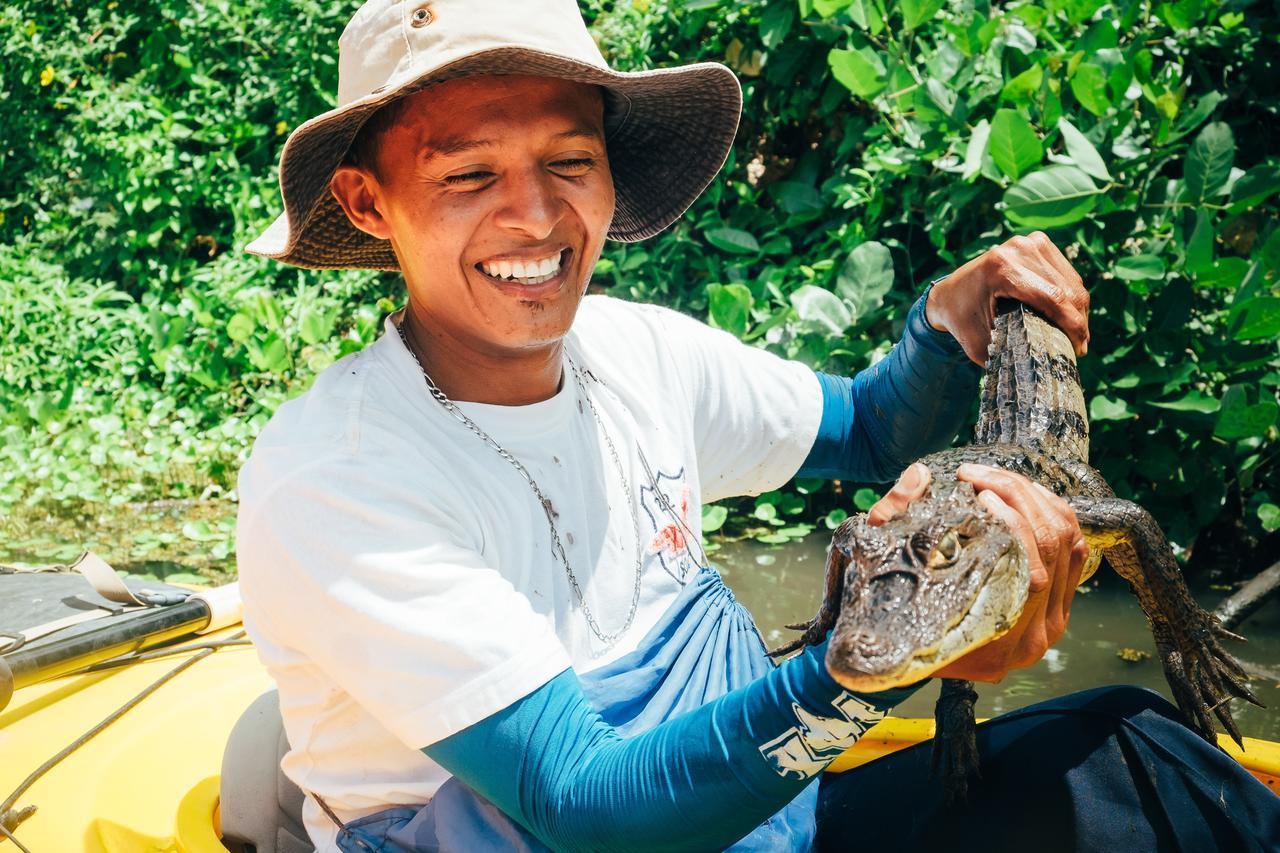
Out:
{"x": 354, "y": 188}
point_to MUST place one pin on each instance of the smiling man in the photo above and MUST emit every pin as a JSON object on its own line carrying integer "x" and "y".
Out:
{"x": 470, "y": 555}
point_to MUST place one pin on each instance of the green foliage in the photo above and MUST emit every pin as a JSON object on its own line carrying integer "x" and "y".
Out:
{"x": 881, "y": 146}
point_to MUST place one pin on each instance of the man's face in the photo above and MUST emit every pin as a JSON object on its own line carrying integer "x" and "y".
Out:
{"x": 496, "y": 195}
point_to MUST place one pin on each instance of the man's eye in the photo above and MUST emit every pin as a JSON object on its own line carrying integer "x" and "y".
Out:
{"x": 468, "y": 176}
{"x": 575, "y": 163}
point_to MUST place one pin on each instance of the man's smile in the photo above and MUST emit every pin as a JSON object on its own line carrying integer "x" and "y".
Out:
{"x": 528, "y": 276}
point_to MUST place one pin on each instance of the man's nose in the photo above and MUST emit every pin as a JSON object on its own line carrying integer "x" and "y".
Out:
{"x": 530, "y": 203}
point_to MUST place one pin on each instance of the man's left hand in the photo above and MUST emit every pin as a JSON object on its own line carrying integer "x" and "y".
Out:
{"x": 1029, "y": 269}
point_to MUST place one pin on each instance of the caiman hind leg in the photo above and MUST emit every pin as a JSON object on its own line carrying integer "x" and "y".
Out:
{"x": 1203, "y": 676}
{"x": 815, "y": 630}
{"x": 955, "y": 740}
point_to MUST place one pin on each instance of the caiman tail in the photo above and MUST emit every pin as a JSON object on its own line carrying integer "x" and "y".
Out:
{"x": 1031, "y": 396}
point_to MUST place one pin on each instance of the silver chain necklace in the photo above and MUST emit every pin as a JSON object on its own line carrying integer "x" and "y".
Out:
{"x": 556, "y": 546}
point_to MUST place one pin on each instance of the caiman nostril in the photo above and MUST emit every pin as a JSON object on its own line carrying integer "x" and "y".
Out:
{"x": 892, "y": 590}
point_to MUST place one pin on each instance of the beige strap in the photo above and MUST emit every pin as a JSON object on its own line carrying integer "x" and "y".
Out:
{"x": 106, "y": 581}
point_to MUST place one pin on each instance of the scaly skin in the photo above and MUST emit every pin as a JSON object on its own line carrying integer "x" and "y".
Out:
{"x": 925, "y": 588}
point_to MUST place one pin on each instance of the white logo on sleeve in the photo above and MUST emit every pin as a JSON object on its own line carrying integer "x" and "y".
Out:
{"x": 806, "y": 748}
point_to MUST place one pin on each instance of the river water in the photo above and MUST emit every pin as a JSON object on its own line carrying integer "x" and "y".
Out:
{"x": 782, "y": 584}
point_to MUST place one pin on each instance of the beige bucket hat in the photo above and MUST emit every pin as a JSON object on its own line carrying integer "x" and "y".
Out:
{"x": 667, "y": 131}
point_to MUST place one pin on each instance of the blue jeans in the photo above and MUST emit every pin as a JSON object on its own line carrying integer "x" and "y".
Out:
{"x": 1109, "y": 769}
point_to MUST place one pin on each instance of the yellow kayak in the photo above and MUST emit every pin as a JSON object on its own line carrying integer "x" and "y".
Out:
{"x": 149, "y": 780}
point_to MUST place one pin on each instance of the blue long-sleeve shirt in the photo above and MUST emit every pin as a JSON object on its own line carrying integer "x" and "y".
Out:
{"x": 909, "y": 404}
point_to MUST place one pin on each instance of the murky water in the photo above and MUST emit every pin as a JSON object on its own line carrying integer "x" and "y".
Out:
{"x": 782, "y": 584}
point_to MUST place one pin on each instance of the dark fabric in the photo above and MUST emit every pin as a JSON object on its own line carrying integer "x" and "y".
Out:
{"x": 1109, "y": 769}
{"x": 28, "y": 599}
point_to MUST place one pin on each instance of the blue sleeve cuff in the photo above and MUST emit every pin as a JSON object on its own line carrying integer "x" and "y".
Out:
{"x": 923, "y": 332}
{"x": 910, "y": 403}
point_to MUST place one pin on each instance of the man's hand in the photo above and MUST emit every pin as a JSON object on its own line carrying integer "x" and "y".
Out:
{"x": 1029, "y": 269}
{"x": 1055, "y": 547}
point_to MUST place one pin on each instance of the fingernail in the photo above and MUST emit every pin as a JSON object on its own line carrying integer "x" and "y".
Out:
{"x": 989, "y": 499}
{"x": 911, "y": 476}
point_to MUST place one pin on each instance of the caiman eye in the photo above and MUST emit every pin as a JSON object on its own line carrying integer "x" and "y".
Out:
{"x": 919, "y": 547}
{"x": 946, "y": 552}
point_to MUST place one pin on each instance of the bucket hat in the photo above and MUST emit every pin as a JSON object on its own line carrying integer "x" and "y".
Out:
{"x": 667, "y": 131}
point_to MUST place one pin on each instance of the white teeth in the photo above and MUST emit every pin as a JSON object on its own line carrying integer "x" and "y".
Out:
{"x": 525, "y": 272}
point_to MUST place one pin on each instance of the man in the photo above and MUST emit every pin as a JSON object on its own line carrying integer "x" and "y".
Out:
{"x": 469, "y": 555}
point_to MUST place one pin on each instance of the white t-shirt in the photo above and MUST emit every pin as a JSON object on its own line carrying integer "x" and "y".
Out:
{"x": 398, "y": 576}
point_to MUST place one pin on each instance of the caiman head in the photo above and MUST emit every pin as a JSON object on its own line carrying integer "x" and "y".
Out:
{"x": 922, "y": 589}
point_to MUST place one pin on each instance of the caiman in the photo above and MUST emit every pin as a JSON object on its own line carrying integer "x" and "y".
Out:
{"x": 943, "y": 578}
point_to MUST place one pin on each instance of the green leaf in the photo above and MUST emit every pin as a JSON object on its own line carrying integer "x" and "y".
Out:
{"x": 240, "y": 328}
{"x": 1140, "y": 268}
{"x": 1057, "y": 195}
{"x": 1238, "y": 419}
{"x": 1199, "y": 251}
{"x": 1109, "y": 409}
{"x": 1181, "y": 15}
{"x": 729, "y": 307}
{"x": 1082, "y": 152}
{"x": 864, "y": 499}
{"x": 1257, "y": 319}
{"x": 835, "y": 518}
{"x": 713, "y": 517}
{"x": 1190, "y": 119}
{"x": 1226, "y": 274}
{"x": 935, "y": 100}
{"x": 865, "y": 278}
{"x": 1209, "y": 161}
{"x": 827, "y": 8}
{"x": 1269, "y": 254}
{"x": 1021, "y": 88}
{"x": 200, "y": 531}
{"x": 861, "y": 71}
{"x": 1013, "y": 143}
{"x": 797, "y": 198}
{"x": 1089, "y": 85}
{"x": 1192, "y": 401}
{"x": 1269, "y": 517}
{"x": 316, "y": 325}
{"x": 732, "y": 240}
{"x": 868, "y": 15}
{"x": 976, "y": 148}
{"x": 916, "y": 12}
{"x": 821, "y": 310}
{"x": 1254, "y": 187}
{"x": 775, "y": 23}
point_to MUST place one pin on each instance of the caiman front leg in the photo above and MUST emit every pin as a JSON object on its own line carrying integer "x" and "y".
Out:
{"x": 955, "y": 740}
{"x": 815, "y": 630}
{"x": 1203, "y": 676}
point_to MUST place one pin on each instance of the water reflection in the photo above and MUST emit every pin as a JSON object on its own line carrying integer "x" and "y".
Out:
{"x": 780, "y": 584}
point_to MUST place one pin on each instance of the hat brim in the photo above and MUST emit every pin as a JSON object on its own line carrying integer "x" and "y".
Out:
{"x": 668, "y": 132}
